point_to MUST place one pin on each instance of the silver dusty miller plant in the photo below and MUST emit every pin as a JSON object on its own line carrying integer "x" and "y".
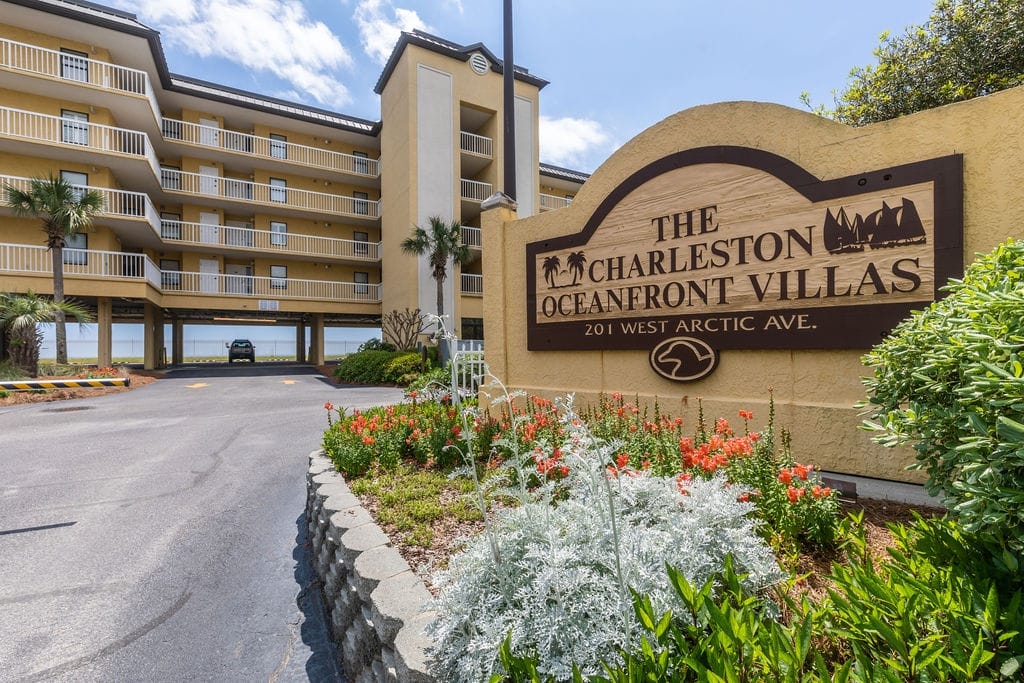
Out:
{"x": 555, "y": 572}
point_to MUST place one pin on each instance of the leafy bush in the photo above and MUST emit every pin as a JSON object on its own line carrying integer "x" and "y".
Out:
{"x": 10, "y": 371}
{"x": 377, "y": 367}
{"x": 929, "y": 613}
{"x": 555, "y": 578}
{"x": 375, "y": 345}
{"x": 950, "y": 381}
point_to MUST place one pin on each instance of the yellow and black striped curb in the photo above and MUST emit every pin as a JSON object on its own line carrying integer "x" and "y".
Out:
{"x": 95, "y": 383}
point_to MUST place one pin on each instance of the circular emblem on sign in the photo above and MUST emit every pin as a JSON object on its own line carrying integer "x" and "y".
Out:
{"x": 683, "y": 359}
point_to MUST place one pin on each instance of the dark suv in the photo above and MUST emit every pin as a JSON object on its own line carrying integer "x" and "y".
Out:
{"x": 241, "y": 349}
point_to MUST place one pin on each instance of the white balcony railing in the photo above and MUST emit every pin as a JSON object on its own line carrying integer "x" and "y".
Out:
{"x": 116, "y": 203}
{"x": 475, "y": 144}
{"x": 261, "y": 287}
{"x": 28, "y": 125}
{"x": 116, "y": 265}
{"x": 471, "y": 237}
{"x": 472, "y": 284}
{"x": 267, "y": 240}
{"x": 267, "y": 148}
{"x": 22, "y": 258}
{"x": 73, "y": 67}
{"x": 550, "y": 201}
{"x": 259, "y": 193}
{"x": 475, "y": 191}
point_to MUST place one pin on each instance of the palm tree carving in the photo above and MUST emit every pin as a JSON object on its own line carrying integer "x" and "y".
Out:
{"x": 441, "y": 243}
{"x": 65, "y": 211}
{"x": 575, "y": 264}
{"x": 551, "y": 266}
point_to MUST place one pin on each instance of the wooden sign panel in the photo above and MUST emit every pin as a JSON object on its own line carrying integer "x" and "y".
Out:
{"x": 737, "y": 248}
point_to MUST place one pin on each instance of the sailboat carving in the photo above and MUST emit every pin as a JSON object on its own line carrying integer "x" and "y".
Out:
{"x": 890, "y": 226}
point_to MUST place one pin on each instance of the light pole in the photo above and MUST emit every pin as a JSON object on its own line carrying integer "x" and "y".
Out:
{"x": 508, "y": 103}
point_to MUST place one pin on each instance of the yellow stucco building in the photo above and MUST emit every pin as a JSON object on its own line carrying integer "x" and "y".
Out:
{"x": 225, "y": 206}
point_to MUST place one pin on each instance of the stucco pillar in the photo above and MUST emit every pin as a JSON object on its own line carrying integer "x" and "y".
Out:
{"x": 300, "y": 342}
{"x": 177, "y": 342}
{"x": 496, "y": 211}
{"x": 316, "y": 339}
{"x": 153, "y": 336}
{"x": 104, "y": 332}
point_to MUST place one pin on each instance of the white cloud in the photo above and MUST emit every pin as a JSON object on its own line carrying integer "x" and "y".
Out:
{"x": 271, "y": 36}
{"x": 571, "y": 142}
{"x": 380, "y": 24}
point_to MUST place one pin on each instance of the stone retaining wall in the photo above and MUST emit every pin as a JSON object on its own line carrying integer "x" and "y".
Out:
{"x": 377, "y": 604}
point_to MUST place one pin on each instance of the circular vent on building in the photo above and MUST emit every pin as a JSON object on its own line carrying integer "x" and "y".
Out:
{"x": 479, "y": 63}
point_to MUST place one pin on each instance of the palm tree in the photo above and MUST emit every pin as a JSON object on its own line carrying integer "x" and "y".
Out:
{"x": 19, "y": 314}
{"x": 441, "y": 242}
{"x": 575, "y": 264}
{"x": 551, "y": 266}
{"x": 65, "y": 210}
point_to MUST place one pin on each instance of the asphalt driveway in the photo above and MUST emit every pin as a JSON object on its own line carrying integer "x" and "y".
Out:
{"x": 158, "y": 535}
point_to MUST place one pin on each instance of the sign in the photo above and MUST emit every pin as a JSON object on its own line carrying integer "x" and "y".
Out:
{"x": 268, "y": 305}
{"x": 737, "y": 248}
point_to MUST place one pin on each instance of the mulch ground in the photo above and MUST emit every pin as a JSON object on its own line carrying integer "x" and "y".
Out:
{"x": 139, "y": 378}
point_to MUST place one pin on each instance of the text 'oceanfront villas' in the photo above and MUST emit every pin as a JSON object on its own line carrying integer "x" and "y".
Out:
{"x": 221, "y": 205}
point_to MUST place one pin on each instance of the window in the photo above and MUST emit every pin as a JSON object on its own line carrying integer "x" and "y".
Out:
{"x": 279, "y": 277}
{"x": 74, "y": 127}
{"x": 278, "y": 146}
{"x": 360, "y": 204}
{"x": 278, "y": 190}
{"x": 278, "y": 234}
{"x": 77, "y": 241}
{"x": 170, "y": 177}
{"x": 170, "y": 273}
{"x": 362, "y": 246}
{"x": 78, "y": 180}
{"x": 74, "y": 65}
{"x": 170, "y": 225}
{"x": 362, "y": 281}
{"x": 362, "y": 164}
{"x": 472, "y": 328}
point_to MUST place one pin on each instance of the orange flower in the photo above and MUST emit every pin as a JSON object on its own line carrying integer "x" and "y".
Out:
{"x": 744, "y": 498}
{"x": 328, "y": 406}
{"x": 622, "y": 459}
{"x": 746, "y": 415}
{"x": 367, "y": 440}
{"x": 801, "y": 471}
{"x": 681, "y": 482}
{"x": 794, "y": 494}
{"x": 785, "y": 476}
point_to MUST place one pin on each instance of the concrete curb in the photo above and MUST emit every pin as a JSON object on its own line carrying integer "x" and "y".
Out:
{"x": 377, "y": 604}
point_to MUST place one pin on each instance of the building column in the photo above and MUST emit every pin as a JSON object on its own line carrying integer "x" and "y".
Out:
{"x": 153, "y": 337}
{"x": 177, "y": 341}
{"x": 300, "y": 342}
{"x": 316, "y": 339}
{"x": 497, "y": 211}
{"x": 104, "y": 332}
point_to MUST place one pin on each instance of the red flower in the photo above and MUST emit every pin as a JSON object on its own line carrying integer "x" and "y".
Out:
{"x": 367, "y": 440}
{"x": 681, "y": 482}
{"x": 785, "y": 476}
{"x": 744, "y": 498}
{"x": 622, "y": 459}
{"x": 794, "y": 494}
{"x": 746, "y": 415}
{"x": 328, "y": 406}
{"x": 801, "y": 471}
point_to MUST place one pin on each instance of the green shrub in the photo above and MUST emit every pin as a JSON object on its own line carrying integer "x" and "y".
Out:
{"x": 10, "y": 371}
{"x": 377, "y": 367}
{"x": 375, "y": 345}
{"x": 950, "y": 381}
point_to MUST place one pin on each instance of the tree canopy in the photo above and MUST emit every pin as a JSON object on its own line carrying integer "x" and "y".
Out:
{"x": 968, "y": 48}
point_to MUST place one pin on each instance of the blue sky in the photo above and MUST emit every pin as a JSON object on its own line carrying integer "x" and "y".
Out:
{"x": 615, "y": 67}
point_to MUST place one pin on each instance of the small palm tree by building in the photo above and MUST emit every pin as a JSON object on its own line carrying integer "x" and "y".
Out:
{"x": 441, "y": 242}
{"x": 65, "y": 211}
{"x": 19, "y": 315}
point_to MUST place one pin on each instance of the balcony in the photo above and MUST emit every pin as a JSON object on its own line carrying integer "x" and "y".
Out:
{"x": 120, "y": 208}
{"x": 475, "y": 191}
{"x": 72, "y": 75}
{"x": 280, "y": 197}
{"x": 269, "y": 149}
{"x": 121, "y": 267}
{"x": 233, "y": 238}
{"x": 472, "y": 285}
{"x": 548, "y": 202}
{"x": 75, "y": 135}
{"x": 471, "y": 237}
{"x": 479, "y": 145}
